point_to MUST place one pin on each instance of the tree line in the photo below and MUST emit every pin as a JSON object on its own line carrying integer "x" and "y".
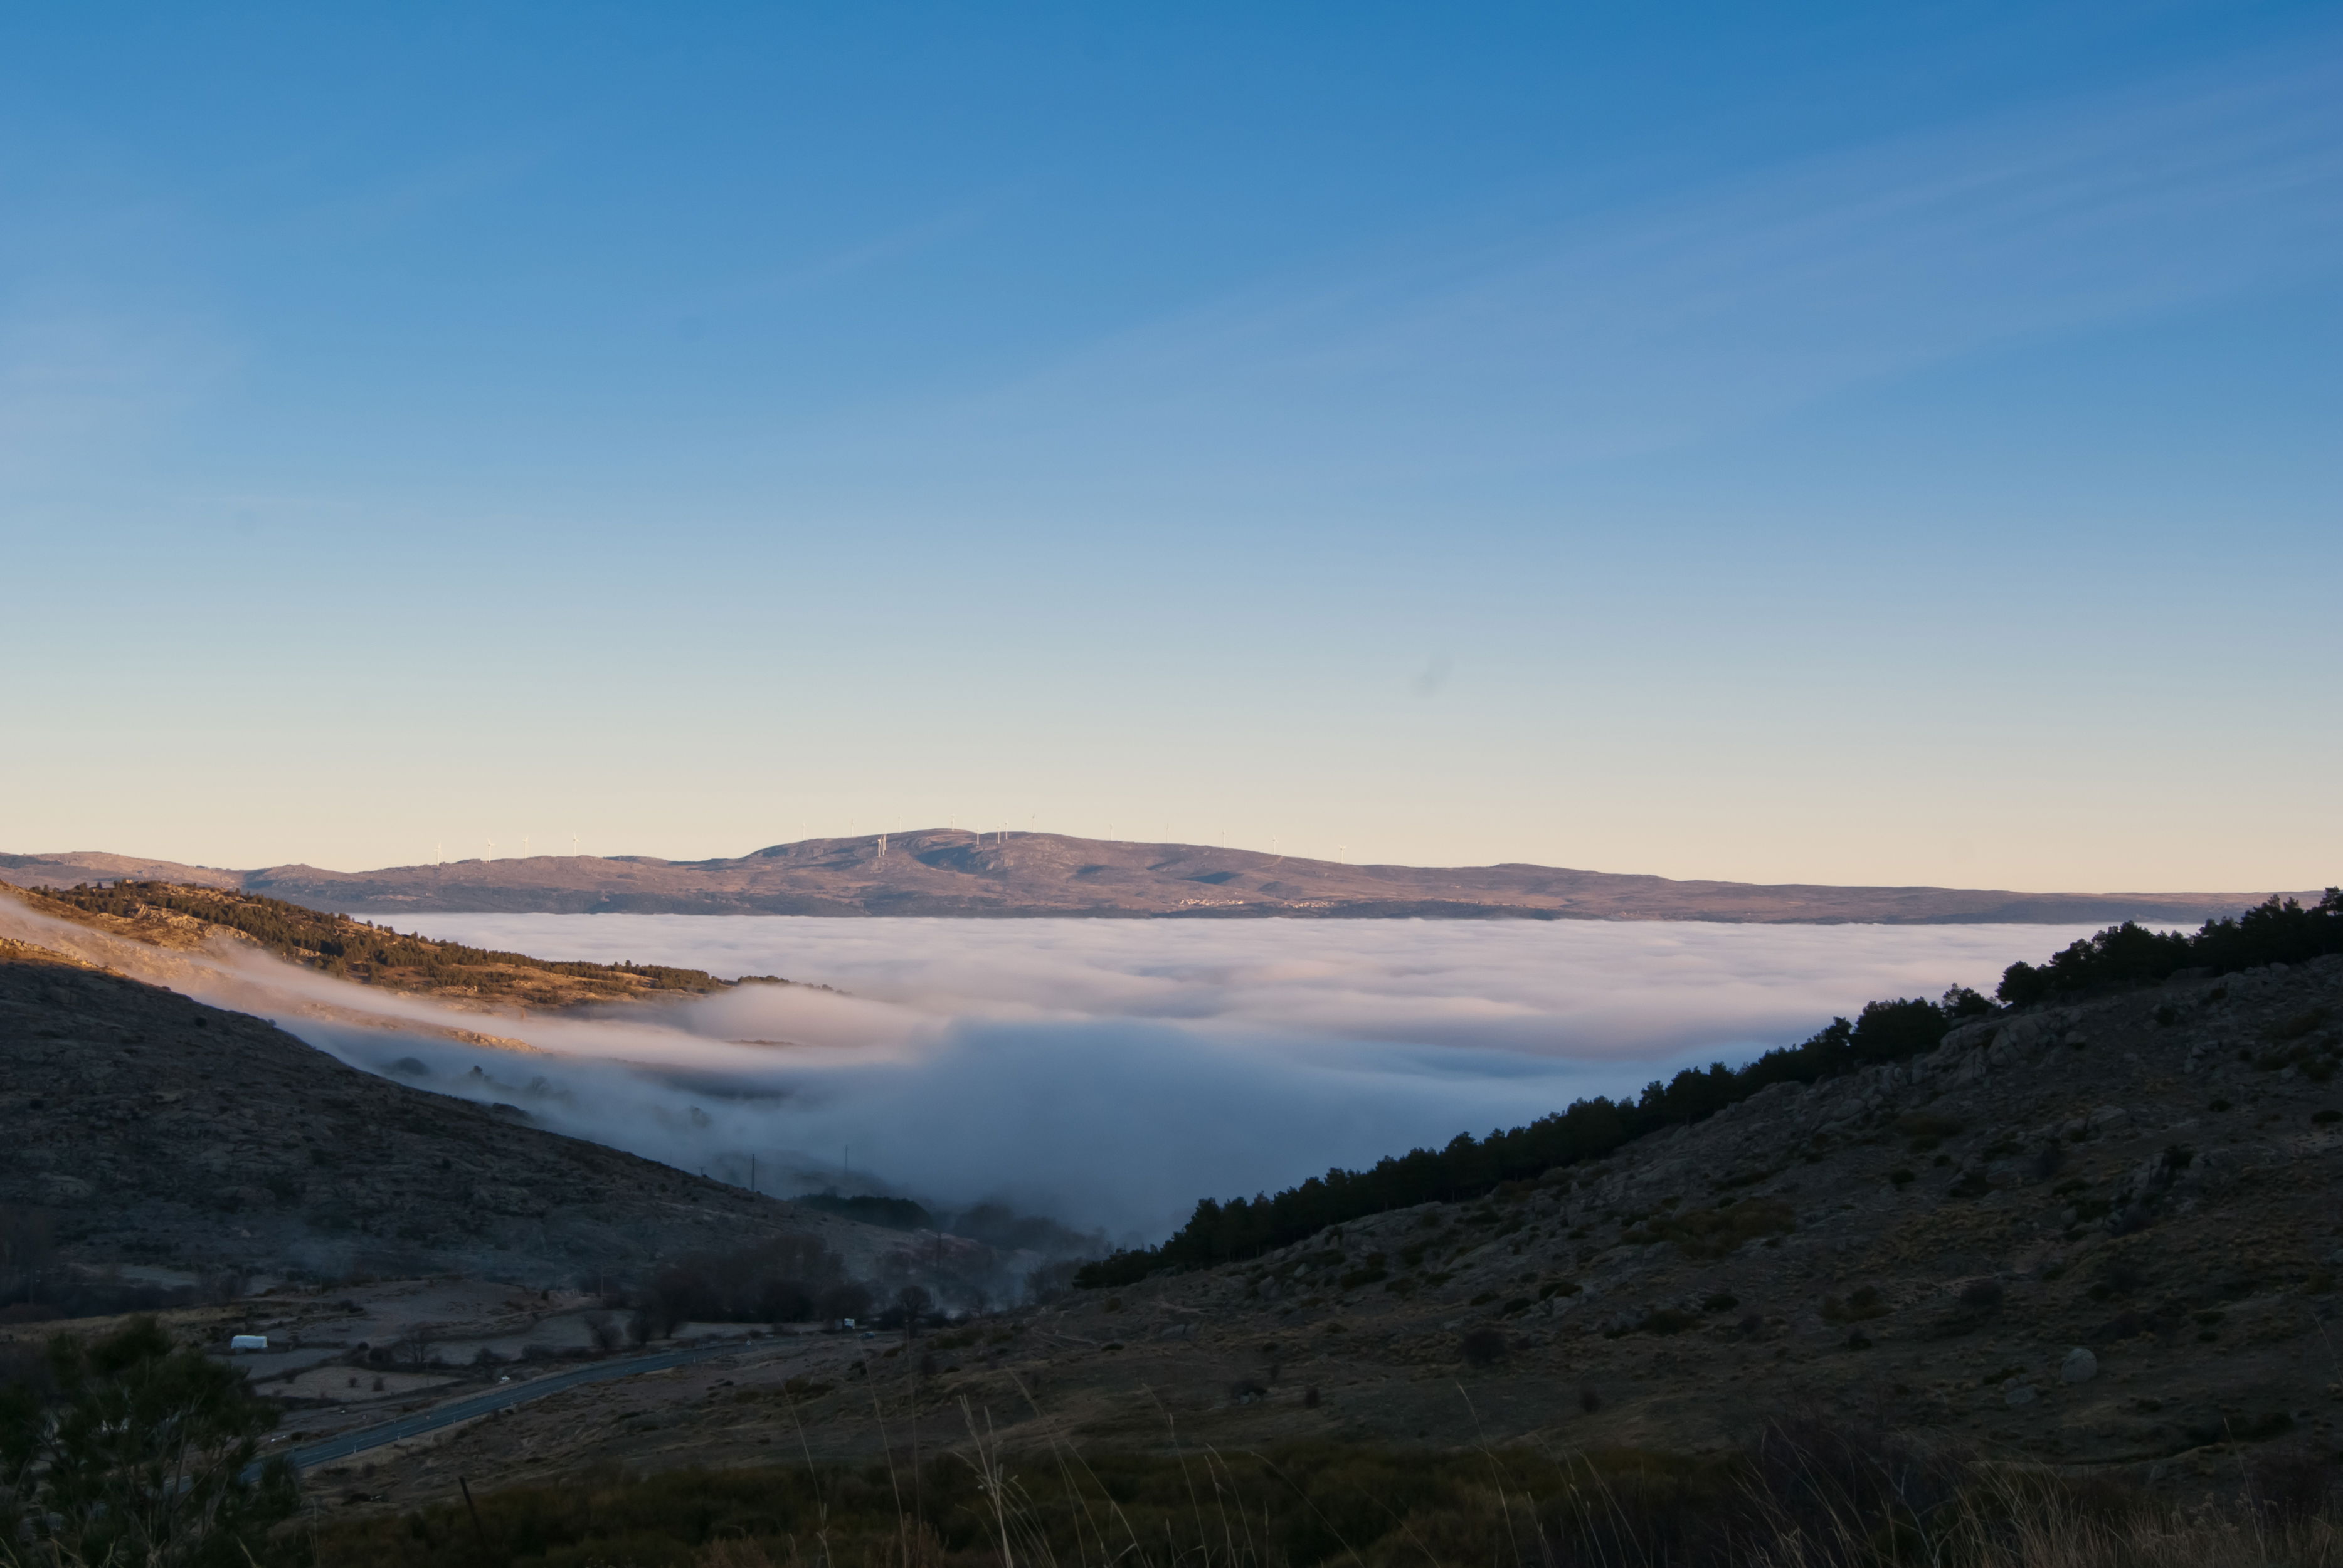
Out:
{"x": 2278, "y": 932}
{"x": 786, "y": 1279}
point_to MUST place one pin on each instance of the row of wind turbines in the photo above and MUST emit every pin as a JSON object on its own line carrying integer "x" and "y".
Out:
{"x": 999, "y": 834}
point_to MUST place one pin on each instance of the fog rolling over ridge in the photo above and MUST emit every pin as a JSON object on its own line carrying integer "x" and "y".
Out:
{"x": 1106, "y": 1073}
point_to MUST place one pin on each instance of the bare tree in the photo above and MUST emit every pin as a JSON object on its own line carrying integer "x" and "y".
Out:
{"x": 419, "y": 1346}
{"x": 913, "y": 1301}
{"x": 605, "y": 1331}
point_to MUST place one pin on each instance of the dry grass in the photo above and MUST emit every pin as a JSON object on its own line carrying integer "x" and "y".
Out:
{"x": 1806, "y": 1496}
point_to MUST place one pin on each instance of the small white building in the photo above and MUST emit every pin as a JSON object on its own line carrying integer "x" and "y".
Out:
{"x": 238, "y": 1343}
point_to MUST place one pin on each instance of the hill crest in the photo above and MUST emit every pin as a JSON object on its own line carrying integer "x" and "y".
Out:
{"x": 951, "y": 873}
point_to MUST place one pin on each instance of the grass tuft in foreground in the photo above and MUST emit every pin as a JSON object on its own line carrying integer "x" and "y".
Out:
{"x": 1808, "y": 1495}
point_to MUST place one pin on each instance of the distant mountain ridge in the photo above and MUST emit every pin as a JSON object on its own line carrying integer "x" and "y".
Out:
{"x": 956, "y": 873}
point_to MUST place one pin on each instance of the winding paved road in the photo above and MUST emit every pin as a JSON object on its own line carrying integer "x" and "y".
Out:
{"x": 309, "y": 1456}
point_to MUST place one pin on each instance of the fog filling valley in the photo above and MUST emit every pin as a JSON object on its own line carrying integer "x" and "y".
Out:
{"x": 1106, "y": 1073}
{"x": 1111, "y": 1072}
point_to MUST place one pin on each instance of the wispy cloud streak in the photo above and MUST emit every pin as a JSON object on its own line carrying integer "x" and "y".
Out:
{"x": 1588, "y": 338}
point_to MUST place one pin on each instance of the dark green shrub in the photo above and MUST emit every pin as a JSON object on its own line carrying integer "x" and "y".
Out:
{"x": 134, "y": 1450}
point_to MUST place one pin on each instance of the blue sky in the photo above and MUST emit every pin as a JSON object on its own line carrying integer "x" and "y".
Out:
{"x": 1832, "y": 443}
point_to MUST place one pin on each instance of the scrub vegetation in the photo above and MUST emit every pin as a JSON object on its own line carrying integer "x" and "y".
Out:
{"x": 360, "y": 950}
{"x": 129, "y": 1449}
{"x": 2279, "y": 931}
{"x": 1590, "y": 1128}
{"x": 1807, "y": 1493}
{"x": 872, "y": 1209}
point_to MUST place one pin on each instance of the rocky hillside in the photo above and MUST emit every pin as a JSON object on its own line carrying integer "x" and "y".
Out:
{"x": 2107, "y": 1231}
{"x": 942, "y": 872}
{"x": 2099, "y": 1234}
{"x": 140, "y": 1128}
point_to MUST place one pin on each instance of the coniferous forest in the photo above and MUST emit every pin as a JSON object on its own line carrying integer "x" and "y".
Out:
{"x": 2278, "y": 932}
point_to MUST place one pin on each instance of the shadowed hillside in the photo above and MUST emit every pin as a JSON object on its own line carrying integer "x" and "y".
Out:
{"x": 139, "y": 1127}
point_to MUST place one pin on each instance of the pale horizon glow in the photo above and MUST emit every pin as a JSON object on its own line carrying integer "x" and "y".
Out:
{"x": 1869, "y": 446}
{"x": 1338, "y": 856}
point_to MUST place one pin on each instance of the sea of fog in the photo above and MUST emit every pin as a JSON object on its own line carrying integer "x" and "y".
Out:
{"x": 1111, "y": 1072}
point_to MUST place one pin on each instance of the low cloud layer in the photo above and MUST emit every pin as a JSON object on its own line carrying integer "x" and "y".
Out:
{"x": 1106, "y": 1072}
{"x": 1111, "y": 1072}
{"x": 1585, "y": 989}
